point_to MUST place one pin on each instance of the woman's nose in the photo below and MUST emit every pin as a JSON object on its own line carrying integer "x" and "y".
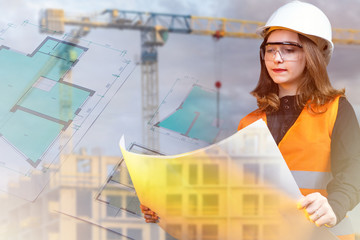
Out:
{"x": 278, "y": 57}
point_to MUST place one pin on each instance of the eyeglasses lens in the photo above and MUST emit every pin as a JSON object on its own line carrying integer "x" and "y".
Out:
{"x": 287, "y": 52}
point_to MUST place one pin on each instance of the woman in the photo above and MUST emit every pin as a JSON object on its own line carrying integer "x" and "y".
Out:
{"x": 313, "y": 124}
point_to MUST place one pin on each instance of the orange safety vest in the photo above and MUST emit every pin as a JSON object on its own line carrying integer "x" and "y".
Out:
{"x": 306, "y": 148}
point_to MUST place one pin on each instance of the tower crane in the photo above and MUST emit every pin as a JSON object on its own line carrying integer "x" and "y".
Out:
{"x": 154, "y": 28}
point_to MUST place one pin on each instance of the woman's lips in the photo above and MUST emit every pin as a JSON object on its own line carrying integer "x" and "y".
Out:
{"x": 279, "y": 70}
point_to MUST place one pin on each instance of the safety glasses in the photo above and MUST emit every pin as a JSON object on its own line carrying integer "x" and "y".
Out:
{"x": 288, "y": 51}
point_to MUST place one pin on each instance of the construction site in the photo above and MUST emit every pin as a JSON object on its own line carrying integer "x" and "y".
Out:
{"x": 171, "y": 78}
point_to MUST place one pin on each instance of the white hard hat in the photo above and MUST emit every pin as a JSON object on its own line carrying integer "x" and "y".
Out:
{"x": 305, "y": 19}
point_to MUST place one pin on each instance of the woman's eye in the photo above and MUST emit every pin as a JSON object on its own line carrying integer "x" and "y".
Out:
{"x": 270, "y": 50}
{"x": 289, "y": 50}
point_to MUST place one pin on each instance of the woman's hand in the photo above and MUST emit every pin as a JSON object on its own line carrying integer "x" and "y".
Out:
{"x": 150, "y": 216}
{"x": 317, "y": 209}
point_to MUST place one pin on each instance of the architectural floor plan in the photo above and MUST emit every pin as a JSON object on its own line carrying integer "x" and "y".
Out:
{"x": 52, "y": 90}
{"x": 196, "y": 113}
{"x": 37, "y": 104}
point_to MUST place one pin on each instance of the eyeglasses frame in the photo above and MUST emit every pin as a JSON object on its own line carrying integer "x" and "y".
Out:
{"x": 263, "y": 45}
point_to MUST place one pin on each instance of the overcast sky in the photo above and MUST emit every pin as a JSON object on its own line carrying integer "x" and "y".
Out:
{"x": 199, "y": 56}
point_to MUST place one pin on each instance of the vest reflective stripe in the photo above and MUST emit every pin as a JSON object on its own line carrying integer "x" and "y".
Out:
{"x": 343, "y": 228}
{"x": 312, "y": 180}
{"x": 306, "y": 149}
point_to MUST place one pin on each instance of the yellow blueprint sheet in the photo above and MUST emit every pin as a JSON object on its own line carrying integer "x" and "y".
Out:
{"x": 239, "y": 188}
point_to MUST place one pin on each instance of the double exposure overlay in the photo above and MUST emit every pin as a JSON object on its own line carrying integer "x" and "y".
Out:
{"x": 240, "y": 186}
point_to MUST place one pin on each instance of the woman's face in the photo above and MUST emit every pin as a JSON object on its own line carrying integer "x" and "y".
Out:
{"x": 285, "y": 60}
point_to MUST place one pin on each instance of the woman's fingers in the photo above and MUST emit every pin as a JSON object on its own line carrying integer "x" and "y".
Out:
{"x": 317, "y": 210}
{"x": 149, "y": 212}
{"x": 327, "y": 219}
{"x": 150, "y": 216}
{"x": 147, "y": 216}
{"x": 308, "y": 200}
{"x": 316, "y": 215}
{"x": 151, "y": 220}
{"x": 144, "y": 208}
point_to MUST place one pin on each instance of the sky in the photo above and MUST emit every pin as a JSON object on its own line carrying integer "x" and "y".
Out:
{"x": 233, "y": 61}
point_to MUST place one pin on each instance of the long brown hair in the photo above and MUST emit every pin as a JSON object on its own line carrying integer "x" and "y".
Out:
{"x": 314, "y": 91}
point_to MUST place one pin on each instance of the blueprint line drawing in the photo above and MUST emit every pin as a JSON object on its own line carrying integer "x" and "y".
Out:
{"x": 195, "y": 117}
{"x": 52, "y": 92}
{"x": 33, "y": 98}
{"x": 119, "y": 180}
{"x": 118, "y": 235}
